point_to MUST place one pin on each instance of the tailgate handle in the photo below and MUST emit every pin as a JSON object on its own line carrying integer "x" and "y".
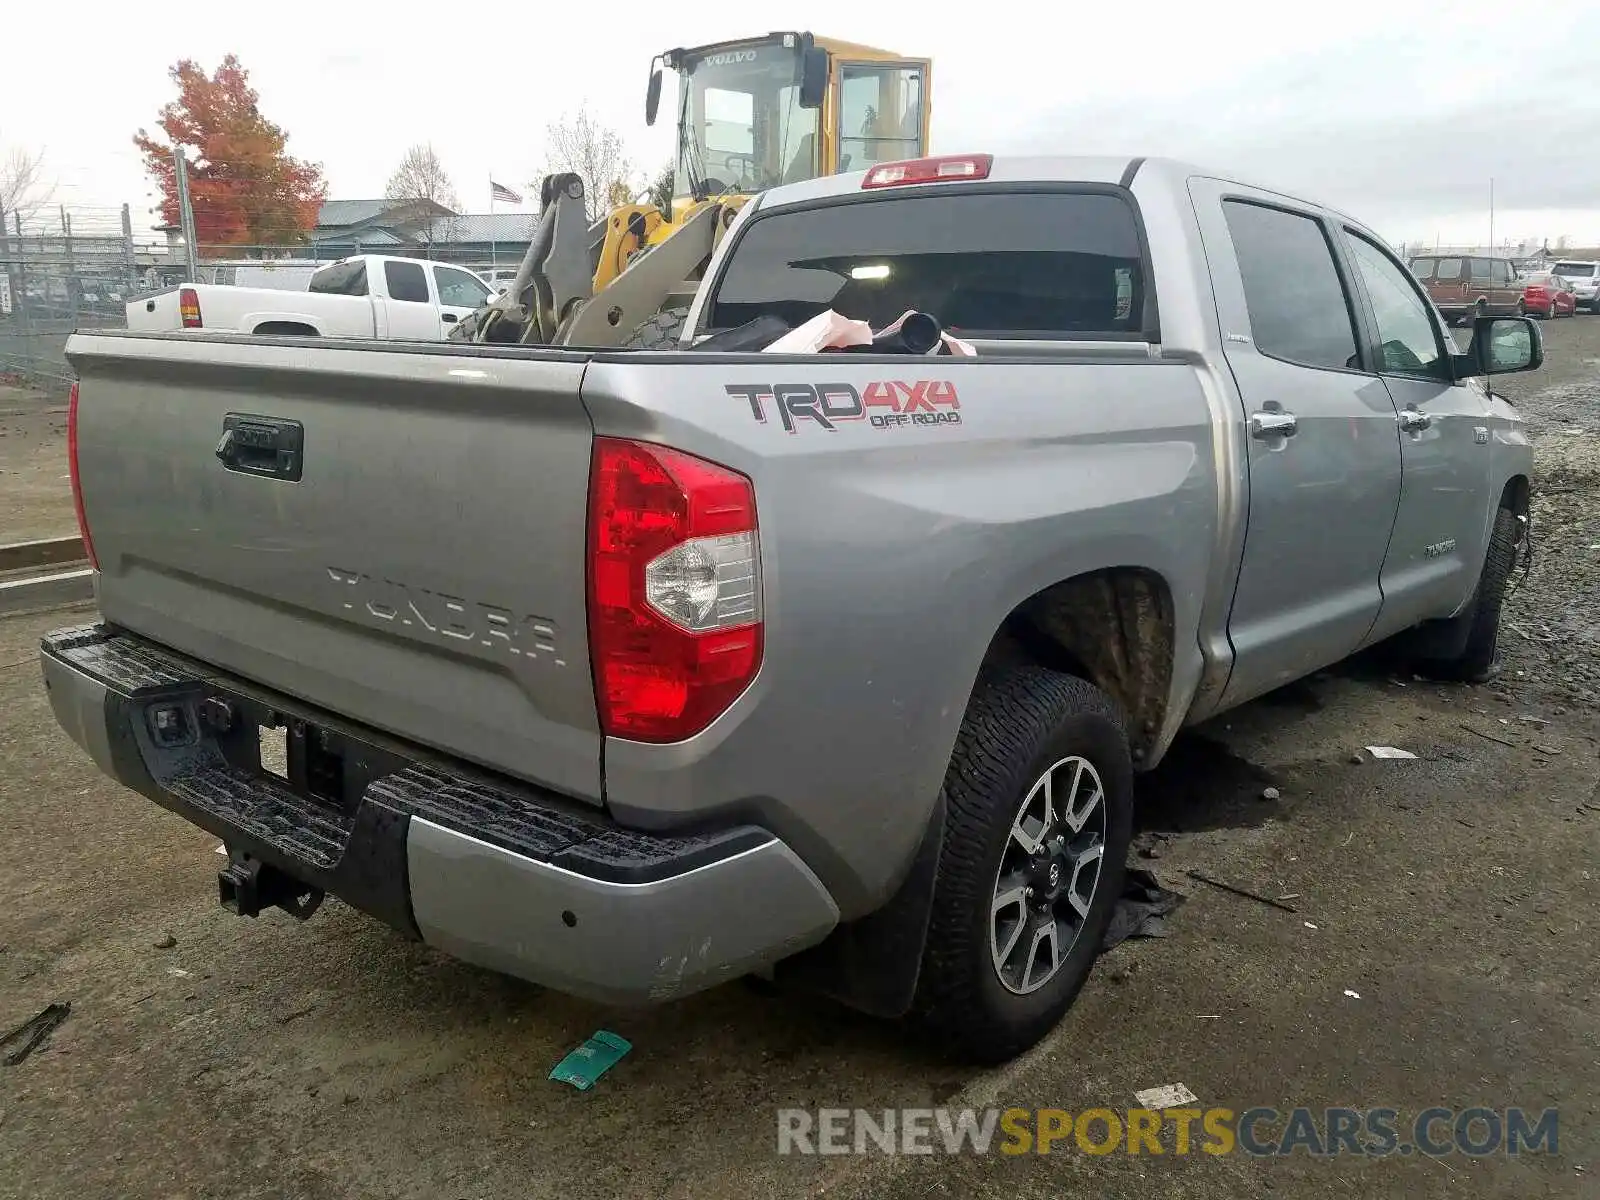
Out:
{"x": 262, "y": 446}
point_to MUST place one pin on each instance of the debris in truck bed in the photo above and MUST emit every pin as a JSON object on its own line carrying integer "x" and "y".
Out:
{"x": 1389, "y": 752}
{"x": 829, "y": 330}
{"x": 31, "y": 1034}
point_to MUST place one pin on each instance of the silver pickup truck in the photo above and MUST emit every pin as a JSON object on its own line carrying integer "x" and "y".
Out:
{"x": 631, "y": 672}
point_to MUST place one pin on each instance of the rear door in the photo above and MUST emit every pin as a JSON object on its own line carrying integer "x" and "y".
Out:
{"x": 1437, "y": 547}
{"x": 1324, "y": 456}
{"x": 413, "y": 311}
{"x": 461, "y": 293}
{"x": 414, "y": 562}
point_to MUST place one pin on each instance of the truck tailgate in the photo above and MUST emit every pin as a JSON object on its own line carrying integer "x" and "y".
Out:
{"x": 393, "y": 535}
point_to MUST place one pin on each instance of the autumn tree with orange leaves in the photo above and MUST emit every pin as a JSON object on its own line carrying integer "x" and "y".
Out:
{"x": 243, "y": 186}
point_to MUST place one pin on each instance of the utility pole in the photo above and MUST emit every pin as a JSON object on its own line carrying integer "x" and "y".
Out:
{"x": 8, "y": 297}
{"x": 20, "y": 300}
{"x": 180, "y": 166}
{"x": 74, "y": 286}
{"x": 1491, "y": 214}
{"x": 130, "y": 268}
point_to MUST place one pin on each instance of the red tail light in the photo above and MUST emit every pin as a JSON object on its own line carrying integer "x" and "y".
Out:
{"x": 949, "y": 168}
{"x": 189, "y": 308}
{"x": 1536, "y": 289}
{"x": 72, "y": 472}
{"x": 675, "y": 623}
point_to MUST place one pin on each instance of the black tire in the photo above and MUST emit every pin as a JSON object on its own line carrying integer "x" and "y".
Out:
{"x": 1478, "y": 660}
{"x": 1522, "y": 308}
{"x": 1019, "y": 723}
{"x": 660, "y": 332}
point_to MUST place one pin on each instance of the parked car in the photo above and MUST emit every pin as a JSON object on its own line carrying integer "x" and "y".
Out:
{"x": 1548, "y": 296}
{"x": 498, "y": 278}
{"x": 1584, "y": 278}
{"x": 1464, "y": 287}
{"x": 633, "y": 672}
{"x": 368, "y": 296}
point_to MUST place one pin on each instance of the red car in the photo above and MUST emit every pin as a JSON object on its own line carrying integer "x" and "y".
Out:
{"x": 1547, "y": 296}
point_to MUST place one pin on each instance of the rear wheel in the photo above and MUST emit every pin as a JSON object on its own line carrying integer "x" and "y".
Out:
{"x": 1522, "y": 308}
{"x": 1039, "y": 813}
{"x": 1478, "y": 658}
{"x": 660, "y": 332}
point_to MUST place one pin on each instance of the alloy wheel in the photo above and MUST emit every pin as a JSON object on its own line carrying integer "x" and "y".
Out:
{"x": 1048, "y": 874}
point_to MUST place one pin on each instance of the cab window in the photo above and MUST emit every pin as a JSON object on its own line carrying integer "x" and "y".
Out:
{"x": 880, "y": 110}
{"x": 1408, "y": 340}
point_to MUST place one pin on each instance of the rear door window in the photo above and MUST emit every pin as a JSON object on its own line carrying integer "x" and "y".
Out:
{"x": 406, "y": 282}
{"x": 341, "y": 279}
{"x": 1422, "y": 268}
{"x": 1575, "y": 270}
{"x": 995, "y": 264}
{"x": 1297, "y": 303}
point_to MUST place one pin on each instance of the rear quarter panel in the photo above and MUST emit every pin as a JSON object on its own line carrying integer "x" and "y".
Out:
{"x": 890, "y": 557}
{"x": 156, "y": 313}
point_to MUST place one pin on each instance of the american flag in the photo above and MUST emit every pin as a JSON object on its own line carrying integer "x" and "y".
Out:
{"x": 500, "y": 191}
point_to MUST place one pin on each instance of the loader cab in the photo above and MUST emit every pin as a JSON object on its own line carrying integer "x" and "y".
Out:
{"x": 762, "y": 112}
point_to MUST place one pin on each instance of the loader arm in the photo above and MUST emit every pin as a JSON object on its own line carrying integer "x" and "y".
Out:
{"x": 648, "y": 281}
{"x": 555, "y": 279}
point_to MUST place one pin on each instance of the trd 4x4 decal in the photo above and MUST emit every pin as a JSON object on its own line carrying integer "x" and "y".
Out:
{"x": 886, "y": 404}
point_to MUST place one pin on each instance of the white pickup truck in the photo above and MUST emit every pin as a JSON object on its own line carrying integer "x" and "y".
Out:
{"x": 368, "y": 296}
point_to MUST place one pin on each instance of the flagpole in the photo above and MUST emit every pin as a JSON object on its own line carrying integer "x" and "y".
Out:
{"x": 493, "y": 258}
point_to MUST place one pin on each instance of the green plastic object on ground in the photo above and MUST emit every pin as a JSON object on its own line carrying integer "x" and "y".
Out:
{"x": 584, "y": 1066}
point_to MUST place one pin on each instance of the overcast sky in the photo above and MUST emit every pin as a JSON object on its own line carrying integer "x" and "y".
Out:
{"x": 1399, "y": 111}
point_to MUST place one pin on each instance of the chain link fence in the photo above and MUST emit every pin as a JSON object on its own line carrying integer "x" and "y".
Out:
{"x": 54, "y": 279}
{"x": 67, "y": 268}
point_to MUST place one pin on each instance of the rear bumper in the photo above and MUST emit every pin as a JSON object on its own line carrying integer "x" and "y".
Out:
{"x": 499, "y": 874}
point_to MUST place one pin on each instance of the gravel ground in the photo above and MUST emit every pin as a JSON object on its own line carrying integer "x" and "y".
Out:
{"x": 1456, "y": 895}
{"x": 1554, "y": 617}
{"x": 35, "y": 494}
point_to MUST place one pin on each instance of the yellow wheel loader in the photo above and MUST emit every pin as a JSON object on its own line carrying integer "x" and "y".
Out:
{"x": 752, "y": 114}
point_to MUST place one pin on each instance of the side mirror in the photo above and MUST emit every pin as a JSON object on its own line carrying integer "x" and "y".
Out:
{"x": 813, "y": 77}
{"x": 1502, "y": 346}
{"x": 652, "y": 94}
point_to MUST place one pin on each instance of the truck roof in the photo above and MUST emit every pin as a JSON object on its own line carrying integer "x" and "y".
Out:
{"x": 1053, "y": 168}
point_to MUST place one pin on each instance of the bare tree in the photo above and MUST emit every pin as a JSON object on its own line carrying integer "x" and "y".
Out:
{"x": 24, "y": 186}
{"x": 422, "y": 181}
{"x": 595, "y": 154}
{"x": 421, "y": 176}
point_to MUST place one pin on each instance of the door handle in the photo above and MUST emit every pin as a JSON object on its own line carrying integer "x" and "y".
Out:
{"x": 447, "y": 318}
{"x": 266, "y": 446}
{"x": 1273, "y": 423}
{"x": 1414, "y": 420}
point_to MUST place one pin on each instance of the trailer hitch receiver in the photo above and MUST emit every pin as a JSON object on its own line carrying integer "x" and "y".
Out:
{"x": 247, "y": 885}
